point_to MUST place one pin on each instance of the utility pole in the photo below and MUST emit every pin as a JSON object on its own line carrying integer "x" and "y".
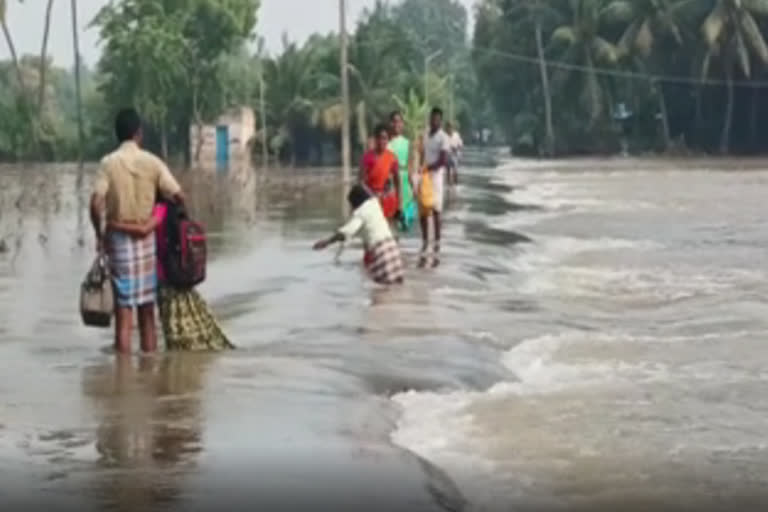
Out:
{"x": 263, "y": 115}
{"x": 346, "y": 154}
{"x": 78, "y": 93}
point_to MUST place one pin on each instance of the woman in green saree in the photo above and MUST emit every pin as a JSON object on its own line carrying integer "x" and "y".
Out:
{"x": 401, "y": 147}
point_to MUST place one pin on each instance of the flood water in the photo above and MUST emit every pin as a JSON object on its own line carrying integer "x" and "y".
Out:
{"x": 593, "y": 340}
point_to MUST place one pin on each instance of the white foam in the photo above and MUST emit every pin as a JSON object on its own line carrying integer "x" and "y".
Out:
{"x": 437, "y": 426}
{"x": 651, "y": 284}
{"x": 535, "y": 363}
{"x": 581, "y": 398}
{"x": 547, "y": 251}
{"x": 555, "y": 196}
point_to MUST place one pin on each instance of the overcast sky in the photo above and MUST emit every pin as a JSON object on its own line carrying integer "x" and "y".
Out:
{"x": 297, "y": 18}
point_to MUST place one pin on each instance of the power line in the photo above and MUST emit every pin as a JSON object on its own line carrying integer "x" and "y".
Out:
{"x": 605, "y": 71}
{"x": 621, "y": 73}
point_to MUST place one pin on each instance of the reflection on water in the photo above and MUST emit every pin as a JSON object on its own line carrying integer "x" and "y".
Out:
{"x": 150, "y": 423}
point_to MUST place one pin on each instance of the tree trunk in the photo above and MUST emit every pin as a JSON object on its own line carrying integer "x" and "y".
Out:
{"x": 726, "y": 136}
{"x": 663, "y": 113}
{"x": 549, "y": 141}
{"x": 14, "y": 56}
{"x": 78, "y": 94}
{"x": 44, "y": 56}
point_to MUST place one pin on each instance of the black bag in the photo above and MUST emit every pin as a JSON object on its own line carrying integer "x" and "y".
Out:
{"x": 185, "y": 260}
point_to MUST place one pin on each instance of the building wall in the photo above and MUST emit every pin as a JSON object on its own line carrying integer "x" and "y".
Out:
{"x": 241, "y": 123}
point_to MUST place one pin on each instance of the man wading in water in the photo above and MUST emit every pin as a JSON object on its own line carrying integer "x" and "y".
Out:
{"x": 125, "y": 190}
{"x": 437, "y": 146}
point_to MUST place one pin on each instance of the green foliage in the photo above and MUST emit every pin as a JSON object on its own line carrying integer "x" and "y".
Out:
{"x": 652, "y": 55}
{"x": 414, "y": 111}
{"x": 184, "y": 62}
{"x": 166, "y": 57}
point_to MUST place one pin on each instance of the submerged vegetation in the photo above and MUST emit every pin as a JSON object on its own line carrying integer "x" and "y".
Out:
{"x": 548, "y": 76}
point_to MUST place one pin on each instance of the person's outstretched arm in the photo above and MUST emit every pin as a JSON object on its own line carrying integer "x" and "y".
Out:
{"x": 348, "y": 230}
{"x": 322, "y": 244}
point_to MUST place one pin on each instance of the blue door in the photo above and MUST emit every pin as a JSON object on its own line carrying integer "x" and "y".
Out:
{"x": 222, "y": 147}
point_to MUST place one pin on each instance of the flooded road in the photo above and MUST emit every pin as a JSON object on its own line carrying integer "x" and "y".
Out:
{"x": 593, "y": 340}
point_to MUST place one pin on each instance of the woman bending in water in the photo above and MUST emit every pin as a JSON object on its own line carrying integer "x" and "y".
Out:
{"x": 188, "y": 323}
{"x": 382, "y": 254}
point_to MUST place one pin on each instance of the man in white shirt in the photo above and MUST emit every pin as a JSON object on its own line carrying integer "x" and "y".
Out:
{"x": 457, "y": 144}
{"x": 437, "y": 149}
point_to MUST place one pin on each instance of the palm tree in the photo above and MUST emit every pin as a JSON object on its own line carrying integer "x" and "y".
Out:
{"x": 537, "y": 14}
{"x": 586, "y": 48}
{"x": 650, "y": 20}
{"x": 414, "y": 110}
{"x": 733, "y": 36}
{"x": 296, "y": 97}
{"x": 378, "y": 54}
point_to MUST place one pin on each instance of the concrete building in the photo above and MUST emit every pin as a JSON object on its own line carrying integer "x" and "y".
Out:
{"x": 226, "y": 143}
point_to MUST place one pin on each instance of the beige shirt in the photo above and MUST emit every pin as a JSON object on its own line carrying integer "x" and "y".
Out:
{"x": 434, "y": 144}
{"x": 369, "y": 221}
{"x": 128, "y": 181}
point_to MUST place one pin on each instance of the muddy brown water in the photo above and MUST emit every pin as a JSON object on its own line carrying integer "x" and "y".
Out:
{"x": 593, "y": 340}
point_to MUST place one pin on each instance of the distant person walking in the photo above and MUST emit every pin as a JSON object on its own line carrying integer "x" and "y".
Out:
{"x": 401, "y": 147}
{"x": 125, "y": 189}
{"x": 437, "y": 149}
{"x": 457, "y": 145}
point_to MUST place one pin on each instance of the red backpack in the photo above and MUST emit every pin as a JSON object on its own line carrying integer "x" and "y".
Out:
{"x": 186, "y": 258}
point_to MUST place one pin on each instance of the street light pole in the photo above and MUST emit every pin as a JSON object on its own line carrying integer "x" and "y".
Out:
{"x": 427, "y": 60}
{"x": 263, "y": 116}
{"x": 78, "y": 93}
{"x": 346, "y": 155}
